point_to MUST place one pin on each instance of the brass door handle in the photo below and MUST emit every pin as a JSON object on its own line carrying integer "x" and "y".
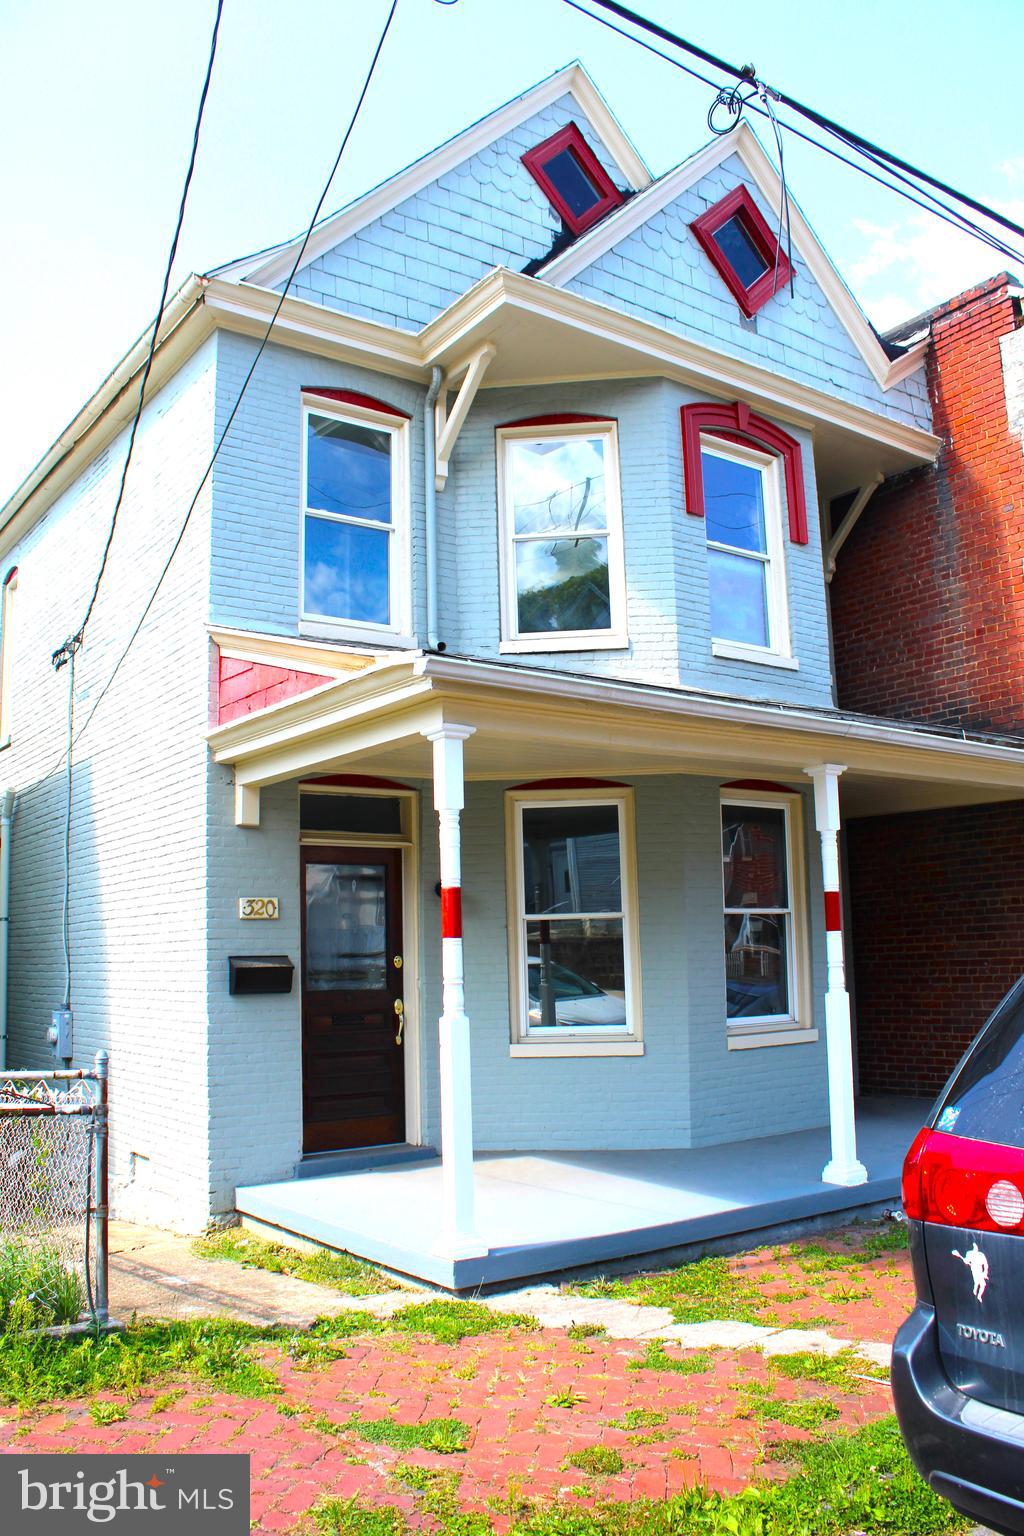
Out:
{"x": 400, "y": 1015}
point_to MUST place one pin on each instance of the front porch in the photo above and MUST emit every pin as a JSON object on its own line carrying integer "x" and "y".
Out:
{"x": 541, "y": 1212}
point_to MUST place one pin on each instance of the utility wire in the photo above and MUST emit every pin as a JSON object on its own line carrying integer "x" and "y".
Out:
{"x": 934, "y": 205}
{"x": 855, "y": 140}
{"x": 248, "y": 377}
{"x": 64, "y": 652}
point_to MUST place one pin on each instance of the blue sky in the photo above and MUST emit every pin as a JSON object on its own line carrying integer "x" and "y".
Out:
{"x": 97, "y": 103}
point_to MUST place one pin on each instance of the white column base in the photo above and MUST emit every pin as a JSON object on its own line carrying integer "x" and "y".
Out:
{"x": 845, "y": 1174}
{"x": 459, "y": 1245}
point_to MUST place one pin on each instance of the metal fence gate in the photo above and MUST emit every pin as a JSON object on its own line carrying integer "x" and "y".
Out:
{"x": 53, "y": 1182}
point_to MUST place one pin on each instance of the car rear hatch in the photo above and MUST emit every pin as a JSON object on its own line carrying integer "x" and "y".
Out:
{"x": 964, "y": 1179}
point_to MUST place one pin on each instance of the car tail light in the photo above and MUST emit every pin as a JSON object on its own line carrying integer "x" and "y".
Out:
{"x": 956, "y": 1182}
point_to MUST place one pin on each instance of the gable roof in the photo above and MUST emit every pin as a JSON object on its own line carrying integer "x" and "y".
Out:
{"x": 272, "y": 266}
{"x": 743, "y": 142}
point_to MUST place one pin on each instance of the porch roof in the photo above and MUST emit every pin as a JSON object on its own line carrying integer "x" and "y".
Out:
{"x": 535, "y": 723}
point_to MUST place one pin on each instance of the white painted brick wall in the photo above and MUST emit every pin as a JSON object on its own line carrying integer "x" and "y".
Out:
{"x": 138, "y": 856}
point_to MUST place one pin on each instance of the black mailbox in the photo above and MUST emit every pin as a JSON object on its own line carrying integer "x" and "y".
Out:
{"x": 255, "y": 975}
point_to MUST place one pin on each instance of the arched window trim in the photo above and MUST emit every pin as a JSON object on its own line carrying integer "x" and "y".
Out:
{"x": 737, "y": 423}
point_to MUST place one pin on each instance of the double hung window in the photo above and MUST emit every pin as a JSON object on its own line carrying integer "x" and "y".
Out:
{"x": 572, "y": 918}
{"x": 763, "y": 919}
{"x": 354, "y": 520}
{"x": 563, "y": 576}
{"x": 746, "y": 570}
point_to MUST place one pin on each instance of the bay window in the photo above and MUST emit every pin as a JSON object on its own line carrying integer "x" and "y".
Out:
{"x": 572, "y": 924}
{"x": 354, "y": 520}
{"x": 563, "y": 582}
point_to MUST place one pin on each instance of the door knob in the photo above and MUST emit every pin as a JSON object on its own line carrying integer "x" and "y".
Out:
{"x": 400, "y": 1015}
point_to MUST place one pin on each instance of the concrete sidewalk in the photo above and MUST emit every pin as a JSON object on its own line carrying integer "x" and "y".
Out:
{"x": 156, "y": 1274}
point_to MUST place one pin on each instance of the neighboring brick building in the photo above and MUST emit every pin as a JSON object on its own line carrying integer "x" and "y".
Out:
{"x": 928, "y": 624}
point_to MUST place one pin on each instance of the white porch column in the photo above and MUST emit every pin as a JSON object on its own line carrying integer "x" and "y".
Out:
{"x": 459, "y": 1239}
{"x": 843, "y": 1167}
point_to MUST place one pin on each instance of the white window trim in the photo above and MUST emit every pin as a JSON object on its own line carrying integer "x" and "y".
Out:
{"x": 796, "y": 1027}
{"x": 319, "y": 625}
{"x": 616, "y": 637}
{"x": 570, "y": 1042}
{"x": 778, "y": 652}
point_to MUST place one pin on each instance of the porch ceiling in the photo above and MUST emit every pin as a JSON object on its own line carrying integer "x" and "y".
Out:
{"x": 531, "y": 724}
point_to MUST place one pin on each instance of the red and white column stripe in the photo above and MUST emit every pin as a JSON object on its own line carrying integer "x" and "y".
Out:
{"x": 458, "y": 1238}
{"x": 843, "y": 1166}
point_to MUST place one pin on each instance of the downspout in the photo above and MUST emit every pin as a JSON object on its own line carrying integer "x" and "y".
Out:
{"x": 430, "y": 502}
{"x": 6, "y": 819}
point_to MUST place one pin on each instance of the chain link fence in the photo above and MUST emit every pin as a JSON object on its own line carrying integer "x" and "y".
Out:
{"x": 53, "y": 1195}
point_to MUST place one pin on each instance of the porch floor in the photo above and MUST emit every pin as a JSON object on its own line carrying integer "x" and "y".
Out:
{"x": 540, "y": 1212}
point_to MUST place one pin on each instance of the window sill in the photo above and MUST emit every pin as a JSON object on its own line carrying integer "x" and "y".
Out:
{"x": 538, "y": 644}
{"x": 755, "y": 1039}
{"x": 365, "y": 634}
{"x": 730, "y": 650}
{"x": 526, "y": 1048}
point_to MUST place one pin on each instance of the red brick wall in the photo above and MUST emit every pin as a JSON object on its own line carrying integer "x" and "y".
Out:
{"x": 928, "y": 595}
{"x": 937, "y": 924}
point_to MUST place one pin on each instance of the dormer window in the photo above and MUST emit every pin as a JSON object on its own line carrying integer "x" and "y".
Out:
{"x": 572, "y": 179}
{"x": 743, "y": 250}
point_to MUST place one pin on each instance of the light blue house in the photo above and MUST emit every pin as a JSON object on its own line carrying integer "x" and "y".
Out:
{"x": 490, "y": 684}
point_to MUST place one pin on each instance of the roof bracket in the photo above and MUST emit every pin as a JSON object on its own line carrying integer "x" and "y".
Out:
{"x": 450, "y": 423}
{"x": 846, "y": 527}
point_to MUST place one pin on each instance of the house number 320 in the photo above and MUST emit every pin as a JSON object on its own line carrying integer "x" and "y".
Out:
{"x": 257, "y": 906}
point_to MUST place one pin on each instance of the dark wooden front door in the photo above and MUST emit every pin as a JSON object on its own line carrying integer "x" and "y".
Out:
{"x": 353, "y": 1049}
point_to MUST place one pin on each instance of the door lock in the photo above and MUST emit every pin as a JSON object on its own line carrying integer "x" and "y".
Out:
{"x": 400, "y": 1015}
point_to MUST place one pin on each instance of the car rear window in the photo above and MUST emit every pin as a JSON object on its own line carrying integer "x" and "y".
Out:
{"x": 985, "y": 1100}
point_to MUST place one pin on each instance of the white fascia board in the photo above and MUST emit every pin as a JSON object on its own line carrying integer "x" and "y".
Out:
{"x": 572, "y": 81}
{"x": 716, "y": 710}
{"x": 741, "y": 141}
{"x": 720, "y": 373}
{"x": 315, "y": 328}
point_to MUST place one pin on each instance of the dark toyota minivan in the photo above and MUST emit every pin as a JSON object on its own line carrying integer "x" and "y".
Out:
{"x": 958, "y": 1360}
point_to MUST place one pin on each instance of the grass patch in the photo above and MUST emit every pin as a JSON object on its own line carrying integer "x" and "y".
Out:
{"x": 841, "y": 1370}
{"x": 639, "y": 1418}
{"x": 595, "y": 1461}
{"x": 586, "y": 1330}
{"x": 657, "y": 1358}
{"x": 338, "y": 1271}
{"x": 219, "y": 1353}
{"x": 107, "y": 1413}
{"x": 705, "y": 1291}
{"x": 565, "y": 1397}
{"x": 862, "y": 1481}
{"x": 758, "y": 1402}
{"x": 37, "y": 1290}
{"x": 448, "y": 1436}
{"x": 449, "y": 1322}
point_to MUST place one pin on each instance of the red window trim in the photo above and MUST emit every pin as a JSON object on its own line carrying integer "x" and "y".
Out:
{"x": 563, "y": 419}
{"x": 572, "y": 139}
{"x": 353, "y": 397}
{"x": 353, "y": 781}
{"x": 737, "y": 423}
{"x": 570, "y": 784}
{"x": 759, "y": 786}
{"x": 739, "y": 201}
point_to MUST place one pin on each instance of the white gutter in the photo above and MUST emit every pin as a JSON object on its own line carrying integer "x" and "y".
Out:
{"x": 6, "y": 820}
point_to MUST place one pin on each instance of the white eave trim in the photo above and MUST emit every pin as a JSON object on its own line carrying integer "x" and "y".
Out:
{"x": 741, "y": 141}
{"x": 665, "y": 352}
{"x": 572, "y": 81}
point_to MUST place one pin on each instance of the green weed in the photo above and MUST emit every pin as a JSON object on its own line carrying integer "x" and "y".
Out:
{"x": 337, "y": 1271}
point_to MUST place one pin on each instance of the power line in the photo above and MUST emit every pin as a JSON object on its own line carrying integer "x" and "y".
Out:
{"x": 934, "y": 206}
{"x": 64, "y": 652}
{"x": 248, "y": 377}
{"x": 855, "y": 140}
